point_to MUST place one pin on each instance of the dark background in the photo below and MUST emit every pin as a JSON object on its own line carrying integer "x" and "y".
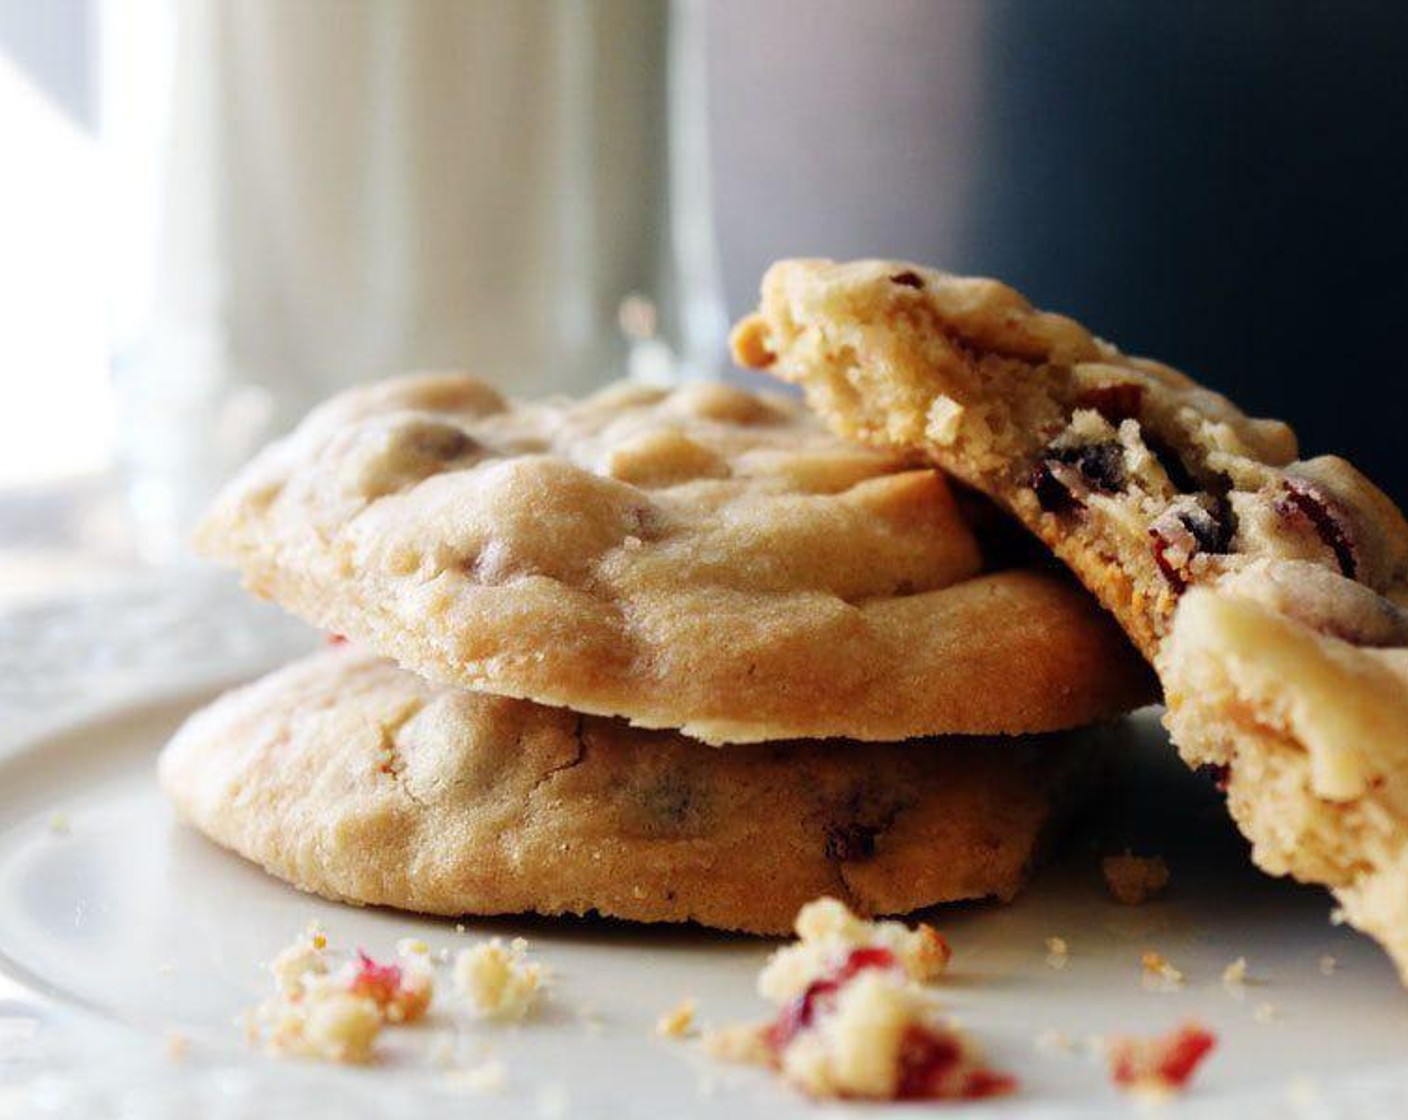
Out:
{"x": 1218, "y": 185}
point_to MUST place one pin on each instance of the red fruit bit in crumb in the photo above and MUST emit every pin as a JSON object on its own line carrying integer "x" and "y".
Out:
{"x": 798, "y": 1014}
{"x": 1166, "y": 1062}
{"x": 379, "y": 982}
{"x": 336, "y": 640}
{"x": 933, "y": 1066}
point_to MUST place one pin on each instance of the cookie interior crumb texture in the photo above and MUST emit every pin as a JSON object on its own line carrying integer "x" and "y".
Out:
{"x": 1268, "y": 590}
{"x": 705, "y": 558}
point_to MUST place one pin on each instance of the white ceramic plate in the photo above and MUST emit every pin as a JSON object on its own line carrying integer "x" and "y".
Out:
{"x": 119, "y": 927}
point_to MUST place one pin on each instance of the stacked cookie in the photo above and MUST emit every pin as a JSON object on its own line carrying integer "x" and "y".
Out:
{"x": 1268, "y": 591}
{"x": 661, "y": 655}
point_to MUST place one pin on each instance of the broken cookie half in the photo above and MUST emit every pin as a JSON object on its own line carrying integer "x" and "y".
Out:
{"x": 1267, "y": 590}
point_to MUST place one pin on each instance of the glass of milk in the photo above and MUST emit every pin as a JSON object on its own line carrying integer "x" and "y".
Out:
{"x": 309, "y": 195}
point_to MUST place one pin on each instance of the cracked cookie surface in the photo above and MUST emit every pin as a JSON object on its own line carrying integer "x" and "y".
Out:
{"x": 705, "y": 558}
{"x": 360, "y": 781}
{"x": 1268, "y": 591}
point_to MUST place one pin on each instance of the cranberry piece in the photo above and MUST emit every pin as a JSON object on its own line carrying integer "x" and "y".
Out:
{"x": 1307, "y": 501}
{"x": 1185, "y": 1053}
{"x": 931, "y": 1066}
{"x": 1166, "y": 568}
{"x": 854, "y": 841}
{"x": 1213, "y": 528}
{"x": 926, "y": 1060}
{"x": 379, "y": 982}
{"x": 1169, "y": 1061}
{"x": 868, "y": 956}
{"x": 1208, "y": 531}
{"x": 1101, "y": 467}
{"x": 908, "y": 279}
{"x": 1051, "y": 493}
{"x": 1100, "y": 464}
{"x": 798, "y": 1014}
{"x": 1221, "y": 775}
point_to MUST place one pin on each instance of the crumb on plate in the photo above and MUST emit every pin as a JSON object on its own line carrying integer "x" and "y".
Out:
{"x": 1234, "y": 978}
{"x": 335, "y": 1015}
{"x": 678, "y": 1021}
{"x": 855, "y": 1019}
{"x": 490, "y": 1076}
{"x": 499, "y": 979}
{"x": 1052, "y": 1041}
{"x": 827, "y": 931}
{"x": 1133, "y": 880}
{"x": 1159, "y": 974}
{"x": 177, "y": 1044}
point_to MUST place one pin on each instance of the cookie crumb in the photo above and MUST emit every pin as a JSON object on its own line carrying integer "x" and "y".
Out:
{"x": 60, "y": 824}
{"x": 1159, "y": 974}
{"x": 500, "y": 981}
{"x": 1265, "y": 1013}
{"x": 401, "y": 992}
{"x": 678, "y": 1021}
{"x": 334, "y": 1016}
{"x": 412, "y": 947}
{"x": 1328, "y": 965}
{"x": 490, "y": 1076}
{"x": 827, "y": 930}
{"x": 744, "y": 1043}
{"x": 1133, "y": 880}
{"x": 1338, "y": 917}
{"x": 1052, "y": 1041}
{"x": 177, "y": 1045}
{"x": 855, "y": 1020}
{"x": 166, "y": 968}
{"x": 1234, "y": 978}
{"x": 1058, "y": 953}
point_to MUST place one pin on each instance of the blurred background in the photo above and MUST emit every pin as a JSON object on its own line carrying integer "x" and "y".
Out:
{"x": 214, "y": 213}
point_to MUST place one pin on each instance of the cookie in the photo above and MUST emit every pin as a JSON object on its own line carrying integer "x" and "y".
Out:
{"x": 706, "y": 559}
{"x": 357, "y": 780}
{"x": 1142, "y": 481}
{"x": 1266, "y": 589}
